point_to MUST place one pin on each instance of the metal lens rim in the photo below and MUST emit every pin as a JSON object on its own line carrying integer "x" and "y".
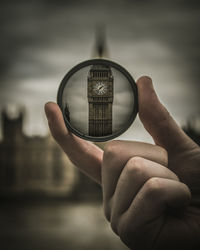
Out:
{"x": 98, "y": 62}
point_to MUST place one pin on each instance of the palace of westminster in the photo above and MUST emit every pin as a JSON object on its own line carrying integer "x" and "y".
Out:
{"x": 36, "y": 166}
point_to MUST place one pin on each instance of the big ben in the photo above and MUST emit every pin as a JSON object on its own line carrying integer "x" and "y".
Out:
{"x": 100, "y": 100}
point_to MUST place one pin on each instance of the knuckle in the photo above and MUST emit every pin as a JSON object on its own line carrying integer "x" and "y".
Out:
{"x": 111, "y": 151}
{"x": 135, "y": 166}
{"x": 154, "y": 186}
{"x": 136, "y": 160}
{"x": 111, "y": 148}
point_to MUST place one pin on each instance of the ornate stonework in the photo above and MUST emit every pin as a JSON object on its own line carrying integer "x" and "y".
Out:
{"x": 100, "y": 99}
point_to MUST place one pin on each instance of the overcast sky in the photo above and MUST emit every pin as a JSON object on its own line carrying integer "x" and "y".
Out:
{"x": 41, "y": 40}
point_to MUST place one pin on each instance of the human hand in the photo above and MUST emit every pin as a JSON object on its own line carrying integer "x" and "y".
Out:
{"x": 151, "y": 193}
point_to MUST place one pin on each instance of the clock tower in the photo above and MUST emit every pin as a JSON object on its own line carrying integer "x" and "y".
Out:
{"x": 100, "y": 99}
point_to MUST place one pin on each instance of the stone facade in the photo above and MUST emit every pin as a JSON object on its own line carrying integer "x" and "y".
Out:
{"x": 100, "y": 104}
{"x": 36, "y": 165}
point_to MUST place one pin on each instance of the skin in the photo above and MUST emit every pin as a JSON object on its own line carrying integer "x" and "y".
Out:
{"x": 151, "y": 193}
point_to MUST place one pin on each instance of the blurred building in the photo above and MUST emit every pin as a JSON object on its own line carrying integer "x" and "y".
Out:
{"x": 192, "y": 129}
{"x": 36, "y": 165}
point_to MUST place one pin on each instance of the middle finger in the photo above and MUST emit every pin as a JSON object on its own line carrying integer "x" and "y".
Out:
{"x": 116, "y": 155}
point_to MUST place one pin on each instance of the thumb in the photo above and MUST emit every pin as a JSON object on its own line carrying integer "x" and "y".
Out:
{"x": 157, "y": 120}
{"x": 85, "y": 155}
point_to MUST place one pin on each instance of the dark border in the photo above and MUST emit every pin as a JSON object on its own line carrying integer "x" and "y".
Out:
{"x": 97, "y": 62}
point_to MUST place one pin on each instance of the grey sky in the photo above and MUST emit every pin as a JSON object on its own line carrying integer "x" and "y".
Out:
{"x": 41, "y": 40}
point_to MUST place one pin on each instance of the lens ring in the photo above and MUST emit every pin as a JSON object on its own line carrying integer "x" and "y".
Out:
{"x": 105, "y": 63}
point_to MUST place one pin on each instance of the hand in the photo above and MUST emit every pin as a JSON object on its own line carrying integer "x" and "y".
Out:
{"x": 151, "y": 193}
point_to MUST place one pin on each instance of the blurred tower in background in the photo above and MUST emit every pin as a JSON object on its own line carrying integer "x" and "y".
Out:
{"x": 36, "y": 166}
{"x": 100, "y": 46}
{"x": 32, "y": 164}
{"x": 192, "y": 129}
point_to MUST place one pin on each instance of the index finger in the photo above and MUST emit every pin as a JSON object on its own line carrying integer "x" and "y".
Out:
{"x": 84, "y": 154}
{"x": 158, "y": 122}
{"x": 118, "y": 153}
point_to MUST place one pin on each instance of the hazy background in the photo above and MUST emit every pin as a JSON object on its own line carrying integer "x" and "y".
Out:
{"x": 41, "y": 40}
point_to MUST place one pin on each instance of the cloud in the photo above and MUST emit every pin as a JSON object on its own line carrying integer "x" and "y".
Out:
{"x": 41, "y": 41}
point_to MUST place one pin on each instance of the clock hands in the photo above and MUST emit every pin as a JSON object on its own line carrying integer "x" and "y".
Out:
{"x": 100, "y": 87}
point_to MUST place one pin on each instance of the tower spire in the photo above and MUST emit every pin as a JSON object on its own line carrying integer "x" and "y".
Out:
{"x": 100, "y": 47}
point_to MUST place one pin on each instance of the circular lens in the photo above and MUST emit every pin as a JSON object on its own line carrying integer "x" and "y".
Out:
{"x": 98, "y": 99}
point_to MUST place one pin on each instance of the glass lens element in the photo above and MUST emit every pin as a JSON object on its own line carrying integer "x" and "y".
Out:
{"x": 98, "y": 99}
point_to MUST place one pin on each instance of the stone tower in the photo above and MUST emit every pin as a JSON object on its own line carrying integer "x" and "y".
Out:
{"x": 100, "y": 99}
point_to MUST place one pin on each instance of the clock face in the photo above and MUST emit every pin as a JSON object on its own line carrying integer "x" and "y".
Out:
{"x": 100, "y": 88}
